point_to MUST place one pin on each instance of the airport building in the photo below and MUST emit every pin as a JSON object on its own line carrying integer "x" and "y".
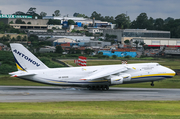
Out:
{"x": 29, "y": 23}
{"x": 95, "y": 30}
{"x": 60, "y": 41}
{"x": 80, "y": 21}
{"x": 145, "y": 33}
{"x": 157, "y": 42}
{"x": 117, "y": 32}
{"x": 94, "y": 44}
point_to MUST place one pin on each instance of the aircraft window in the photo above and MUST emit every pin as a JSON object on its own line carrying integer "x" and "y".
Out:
{"x": 59, "y": 77}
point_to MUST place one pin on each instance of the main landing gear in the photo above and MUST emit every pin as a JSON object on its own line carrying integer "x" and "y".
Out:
{"x": 152, "y": 84}
{"x": 98, "y": 87}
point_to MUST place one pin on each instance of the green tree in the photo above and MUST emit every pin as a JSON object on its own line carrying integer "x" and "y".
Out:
{"x": 136, "y": 42}
{"x": 79, "y": 15}
{"x": 114, "y": 56}
{"x": 151, "y": 24}
{"x": 159, "y": 24}
{"x": 100, "y": 53}
{"x": 8, "y": 37}
{"x": 109, "y": 19}
{"x": 141, "y": 22}
{"x": 142, "y": 43}
{"x": 127, "y": 42}
{"x": 85, "y": 26}
{"x": 59, "y": 49}
{"x": 110, "y": 37}
{"x": 177, "y": 32}
{"x": 96, "y": 16}
{"x": 71, "y": 22}
{"x": 107, "y": 36}
{"x": 54, "y": 22}
{"x": 78, "y": 51}
{"x": 4, "y": 38}
{"x": 43, "y": 14}
{"x": 75, "y": 14}
{"x": 19, "y": 13}
{"x": 88, "y": 34}
{"x": 32, "y": 12}
{"x": 173, "y": 27}
{"x": 45, "y": 43}
{"x": 34, "y": 41}
{"x": 88, "y": 51}
{"x": 24, "y": 38}
{"x": 13, "y": 39}
{"x": 49, "y": 30}
{"x": 122, "y": 21}
{"x": 11, "y": 22}
{"x": 18, "y": 38}
{"x": 19, "y": 21}
{"x": 82, "y": 15}
{"x": 57, "y": 13}
{"x": 168, "y": 19}
{"x": 54, "y": 28}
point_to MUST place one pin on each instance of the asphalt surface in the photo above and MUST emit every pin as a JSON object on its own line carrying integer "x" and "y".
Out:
{"x": 49, "y": 93}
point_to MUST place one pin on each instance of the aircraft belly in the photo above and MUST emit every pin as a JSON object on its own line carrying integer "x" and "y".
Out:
{"x": 72, "y": 80}
{"x": 146, "y": 79}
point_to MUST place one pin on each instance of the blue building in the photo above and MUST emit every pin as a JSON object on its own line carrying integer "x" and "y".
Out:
{"x": 118, "y": 53}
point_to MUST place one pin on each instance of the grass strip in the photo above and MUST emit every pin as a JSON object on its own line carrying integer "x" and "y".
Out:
{"x": 91, "y": 109}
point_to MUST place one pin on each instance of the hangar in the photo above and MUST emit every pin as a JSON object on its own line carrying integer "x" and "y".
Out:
{"x": 158, "y": 42}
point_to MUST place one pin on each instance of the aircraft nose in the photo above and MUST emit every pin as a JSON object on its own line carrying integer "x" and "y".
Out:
{"x": 172, "y": 72}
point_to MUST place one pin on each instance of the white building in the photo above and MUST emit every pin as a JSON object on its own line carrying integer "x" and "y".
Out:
{"x": 83, "y": 21}
{"x": 95, "y": 30}
{"x": 157, "y": 42}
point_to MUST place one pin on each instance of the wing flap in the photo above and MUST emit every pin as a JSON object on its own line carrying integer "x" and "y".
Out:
{"x": 105, "y": 71}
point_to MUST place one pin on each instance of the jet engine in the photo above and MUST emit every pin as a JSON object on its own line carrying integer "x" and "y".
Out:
{"x": 126, "y": 77}
{"x": 115, "y": 80}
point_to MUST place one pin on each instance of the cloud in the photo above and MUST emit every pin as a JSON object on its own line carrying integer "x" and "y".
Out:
{"x": 153, "y": 8}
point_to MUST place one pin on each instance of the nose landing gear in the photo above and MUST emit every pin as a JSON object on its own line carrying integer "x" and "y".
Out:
{"x": 152, "y": 84}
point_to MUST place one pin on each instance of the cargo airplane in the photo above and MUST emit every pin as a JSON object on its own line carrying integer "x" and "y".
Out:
{"x": 93, "y": 77}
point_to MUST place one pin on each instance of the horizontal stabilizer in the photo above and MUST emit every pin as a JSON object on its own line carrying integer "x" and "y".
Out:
{"x": 21, "y": 74}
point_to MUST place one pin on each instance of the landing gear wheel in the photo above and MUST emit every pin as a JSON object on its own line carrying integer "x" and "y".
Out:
{"x": 89, "y": 88}
{"x": 107, "y": 87}
{"x": 103, "y": 87}
{"x": 98, "y": 87}
{"x": 93, "y": 87}
{"x": 152, "y": 84}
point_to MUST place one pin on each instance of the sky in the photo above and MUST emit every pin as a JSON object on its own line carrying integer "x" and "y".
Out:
{"x": 133, "y": 8}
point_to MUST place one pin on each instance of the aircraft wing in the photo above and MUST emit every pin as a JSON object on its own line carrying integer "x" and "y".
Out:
{"x": 21, "y": 74}
{"x": 105, "y": 71}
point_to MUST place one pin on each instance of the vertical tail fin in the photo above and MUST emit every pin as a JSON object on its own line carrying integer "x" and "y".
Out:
{"x": 25, "y": 60}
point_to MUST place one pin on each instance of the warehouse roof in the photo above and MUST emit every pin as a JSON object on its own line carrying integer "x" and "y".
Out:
{"x": 65, "y": 40}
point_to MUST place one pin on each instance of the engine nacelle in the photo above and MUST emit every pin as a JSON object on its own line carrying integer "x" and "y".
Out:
{"x": 115, "y": 80}
{"x": 126, "y": 77}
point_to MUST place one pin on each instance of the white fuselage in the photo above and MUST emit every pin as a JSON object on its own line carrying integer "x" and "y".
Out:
{"x": 73, "y": 76}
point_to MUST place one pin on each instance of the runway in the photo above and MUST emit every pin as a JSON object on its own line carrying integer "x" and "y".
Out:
{"x": 50, "y": 93}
